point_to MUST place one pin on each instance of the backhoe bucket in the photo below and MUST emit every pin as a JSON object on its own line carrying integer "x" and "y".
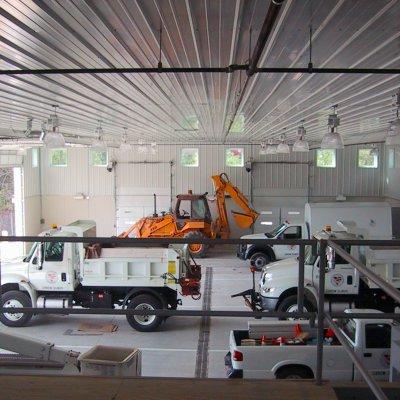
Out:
{"x": 242, "y": 220}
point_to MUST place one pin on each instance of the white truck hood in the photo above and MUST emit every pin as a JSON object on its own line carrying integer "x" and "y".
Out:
{"x": 19, "y": 268}
{"x": 254, "y": 236}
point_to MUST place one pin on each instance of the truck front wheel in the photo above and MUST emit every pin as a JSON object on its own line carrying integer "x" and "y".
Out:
{"x": 259, "y": 260}
{"x": 144, "y": 323}
{"x": 15, "y": 299}
{"x": 294, "y": 372}
{"x": 289, "y": 304}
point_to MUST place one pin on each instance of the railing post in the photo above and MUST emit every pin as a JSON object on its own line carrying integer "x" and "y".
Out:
{"x": 300, "y": 291}
{"x": 321, "y": 298}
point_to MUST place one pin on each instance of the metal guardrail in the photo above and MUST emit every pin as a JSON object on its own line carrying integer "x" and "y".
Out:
{"x": 320, "y": 315}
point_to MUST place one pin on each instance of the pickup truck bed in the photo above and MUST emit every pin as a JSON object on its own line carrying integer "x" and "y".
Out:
{"x": 265, "y": 362}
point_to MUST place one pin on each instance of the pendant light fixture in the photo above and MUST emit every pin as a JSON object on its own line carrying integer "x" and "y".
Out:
{"x": 153, "y": 148}
{"x": 332, "y": 139}
{"x": 271, "y": 148}
{"x": 52, "y": 138}
{"x": 393, "y": 135}
{"x": 98, "y": 143}
{"x": 125, "y": 146}
{"x": 301, "y": 145}
{"x": 263, "y": 149}
{"x": 142, "y": 148}
{"x": 283, "y": 147}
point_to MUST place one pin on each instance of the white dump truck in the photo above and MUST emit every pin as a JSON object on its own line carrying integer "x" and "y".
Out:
{"x": 344, "y": 285}
{"x": 251, "y": 357}
{"x": 374, "y": 216}
{"x": 66, "y": 275}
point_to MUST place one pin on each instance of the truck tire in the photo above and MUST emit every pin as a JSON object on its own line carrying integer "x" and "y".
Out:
{"x": 294, "y": 372}
{"x": 197, "y": 250}
{"x": 289, "y": 304}
{"x": 259, "y": 260}
{"x": 12, "y": 299}
{"x": 144, "y": 323}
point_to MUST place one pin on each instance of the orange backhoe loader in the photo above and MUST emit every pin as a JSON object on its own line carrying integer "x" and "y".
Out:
{"x": 192, "y": 217}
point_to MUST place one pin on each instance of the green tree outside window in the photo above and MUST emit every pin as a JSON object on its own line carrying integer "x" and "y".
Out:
{"x": 326, "y": 158}
{"x": 58, "y": 158}
{"x": 234, "y": 157}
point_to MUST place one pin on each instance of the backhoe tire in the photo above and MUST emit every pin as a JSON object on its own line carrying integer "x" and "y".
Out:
{"x": 15, "y": 299}
{"x": 144, "y": 323}
{"x": 197, "y": 250}
{"x": 259, "y": 260}
{"x": 289, "y": 304}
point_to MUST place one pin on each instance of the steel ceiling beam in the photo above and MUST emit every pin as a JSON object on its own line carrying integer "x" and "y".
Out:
{"x": 186, "y": 70}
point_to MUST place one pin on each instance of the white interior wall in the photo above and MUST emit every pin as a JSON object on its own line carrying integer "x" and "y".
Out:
{"x": 392, "y": 164}
{"x": 278, "y": 186}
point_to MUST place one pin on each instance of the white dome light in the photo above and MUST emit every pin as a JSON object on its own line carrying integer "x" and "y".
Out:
{"x": 53, "y": 139}
{"x": 153, "y": 148}
{"x": 393, "y": 136}
{"x": 301, "y": 145}
{"x": 125, "y": 146}
{"x": 332, "y": 139}
{"x": 142, "y": 148}
{"x": 98, "y": 143}
{"x": 263, "y": 149}
{"x": 282, "y": 148}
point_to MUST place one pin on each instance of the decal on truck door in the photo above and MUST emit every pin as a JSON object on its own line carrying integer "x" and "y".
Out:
{"x": 337, "y": 280}
{"x": 51, "y": 277}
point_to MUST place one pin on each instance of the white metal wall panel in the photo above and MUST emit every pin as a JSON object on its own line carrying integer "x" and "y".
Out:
{"x": 31, "y": 176}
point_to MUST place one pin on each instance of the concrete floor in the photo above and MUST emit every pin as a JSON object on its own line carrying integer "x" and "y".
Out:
{"x": 170, "y": 352}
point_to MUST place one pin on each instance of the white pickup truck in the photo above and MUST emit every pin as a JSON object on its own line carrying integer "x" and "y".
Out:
{"x": 376, "y": 217}
{"x": 66, "y": 275}
{"x": 370, "y": 339}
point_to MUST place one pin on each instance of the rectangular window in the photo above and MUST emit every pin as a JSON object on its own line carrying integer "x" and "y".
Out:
{"x": 58, "y": 157}
{"x": 234, "y": 157}
{"x": 367, "y": 158}
{"x": 326, "y": 158}
{"x": 98, "y": 158}
{"x": 190, "y": 157}
{"x": 377, "y": 336}
{"x": 35, "y": 157}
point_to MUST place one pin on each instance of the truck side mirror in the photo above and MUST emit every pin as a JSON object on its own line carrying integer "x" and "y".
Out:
{"x": 330, "y": 255}
{"x": 39, "y": 255}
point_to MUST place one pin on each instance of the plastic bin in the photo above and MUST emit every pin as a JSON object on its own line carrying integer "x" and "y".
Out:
{"x": 111, "y": 361}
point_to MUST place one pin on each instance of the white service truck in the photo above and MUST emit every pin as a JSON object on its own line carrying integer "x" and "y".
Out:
{"x": 374, "y": 216}
{"x": 344, "y": 285}
{"x": 66, "y": 275}
{"x": 370, "y": 339}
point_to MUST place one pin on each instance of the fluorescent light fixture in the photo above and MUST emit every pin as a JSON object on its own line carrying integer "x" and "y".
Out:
{"x": 301, "y": 145}
{"x": 294, "y": 212}
{"x": 283, "y": 148}
{"x": 266, "y": 212}
{"x": 269, "y": 223}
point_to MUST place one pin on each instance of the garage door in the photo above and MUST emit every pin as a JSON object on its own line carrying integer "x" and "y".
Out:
{"x": 277, "y": 196}
{"x": 135, "y": 186}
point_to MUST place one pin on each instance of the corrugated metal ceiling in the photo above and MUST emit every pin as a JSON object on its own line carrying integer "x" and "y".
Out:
{"x": 166, "y": 107}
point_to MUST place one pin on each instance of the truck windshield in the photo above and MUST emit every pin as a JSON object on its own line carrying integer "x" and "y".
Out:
{"x": 277, "y": 231}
